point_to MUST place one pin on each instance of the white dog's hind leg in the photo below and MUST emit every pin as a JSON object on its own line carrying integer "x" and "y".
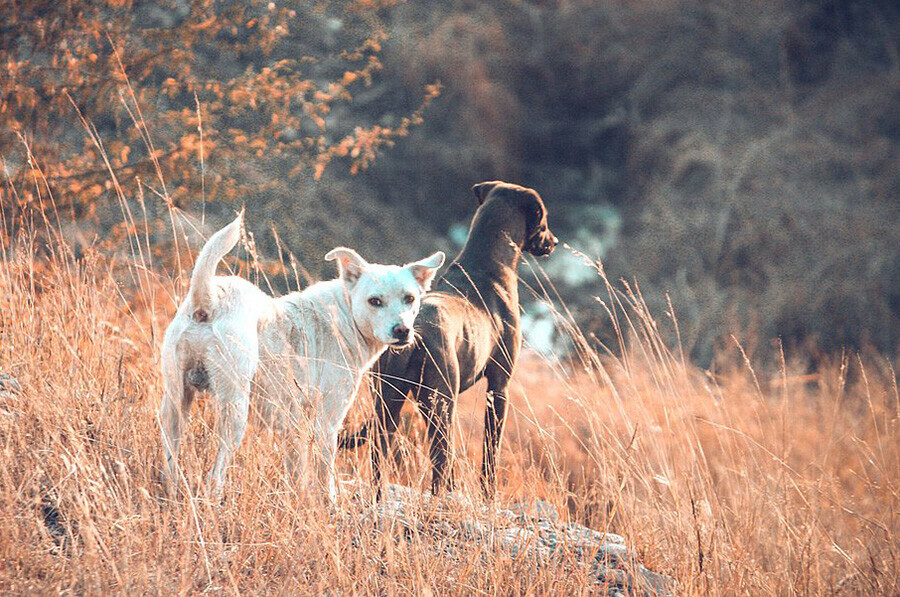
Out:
{"x": 233, "y": 404}
{"x": 231, "y": 383}
{"x": 173, "y": 411}
{"x": 232, "y": 424}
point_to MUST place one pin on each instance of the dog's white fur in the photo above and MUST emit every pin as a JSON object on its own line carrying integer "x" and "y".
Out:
{"x": 301, "y": 356}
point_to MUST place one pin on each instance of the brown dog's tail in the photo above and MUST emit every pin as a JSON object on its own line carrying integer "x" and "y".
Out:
{"x": 218, "y": 245}
{"x": 355, "y": 439}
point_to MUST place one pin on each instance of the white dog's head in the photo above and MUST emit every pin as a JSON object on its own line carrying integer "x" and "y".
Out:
{"x": 385, "y": 299}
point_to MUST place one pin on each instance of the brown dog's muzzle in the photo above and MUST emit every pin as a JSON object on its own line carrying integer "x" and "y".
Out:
{"x": 543, "y": 244}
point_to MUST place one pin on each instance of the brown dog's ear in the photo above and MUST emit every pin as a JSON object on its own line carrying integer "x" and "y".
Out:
{"x": 482, "y": 189}
{"x": 532, "y": 207}
{"x": 536, "y": 214}
{"x": 351, "y": 265}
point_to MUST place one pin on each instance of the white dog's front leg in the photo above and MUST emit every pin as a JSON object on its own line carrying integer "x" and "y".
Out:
{"x": 326, "y": 437}
{"x": 332, "y": 409}
{"x": 294, "y": 437}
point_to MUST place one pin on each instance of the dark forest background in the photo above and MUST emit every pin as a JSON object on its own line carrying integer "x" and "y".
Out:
{"x": 742, "y": 157}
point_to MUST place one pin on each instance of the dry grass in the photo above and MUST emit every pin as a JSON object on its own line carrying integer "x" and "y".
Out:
{"x": 736, "y": 482}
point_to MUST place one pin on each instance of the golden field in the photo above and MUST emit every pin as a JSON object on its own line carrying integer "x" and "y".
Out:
{"x": 773, "y": 480}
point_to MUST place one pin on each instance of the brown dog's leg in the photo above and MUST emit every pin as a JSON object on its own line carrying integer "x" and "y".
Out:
{"x": 437, "y": 400}
{"x": 389, "y": 399}
{"x": 494, "y": 417}
{"x": 440, "y": 428}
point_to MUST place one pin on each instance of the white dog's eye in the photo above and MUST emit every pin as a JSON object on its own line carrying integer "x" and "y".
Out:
{"x": 409, "y": 299}
{"x": 375, "y": 301}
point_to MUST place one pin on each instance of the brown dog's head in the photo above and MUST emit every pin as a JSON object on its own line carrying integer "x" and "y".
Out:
{"x": 538, "y": 240}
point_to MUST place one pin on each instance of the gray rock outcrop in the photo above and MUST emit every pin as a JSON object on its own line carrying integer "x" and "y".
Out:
{"x": 454, "y": 525}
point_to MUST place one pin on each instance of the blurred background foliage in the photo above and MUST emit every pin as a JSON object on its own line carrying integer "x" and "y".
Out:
{"x": 741, "y": 157}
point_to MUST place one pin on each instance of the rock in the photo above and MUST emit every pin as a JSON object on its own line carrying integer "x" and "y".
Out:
{"x": 472, "y": 529}
{"x": 537, "y": 510}
{"x": 515, "y": 540}
{"x": 10, "y": 384}
{"x": 532, "y": 530}
{"x": 9, "y": 390}
{"x": 655, "y": 583}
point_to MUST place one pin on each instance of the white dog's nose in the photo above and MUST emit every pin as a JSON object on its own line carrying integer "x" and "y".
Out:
{"x": 400, "y": 332}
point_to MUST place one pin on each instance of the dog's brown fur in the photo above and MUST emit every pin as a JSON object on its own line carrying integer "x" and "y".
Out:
{"x": 468, "y": 328}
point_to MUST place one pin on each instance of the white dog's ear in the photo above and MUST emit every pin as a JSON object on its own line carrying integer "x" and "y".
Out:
{"x": 351, "y": 265}
{"x": 425, "y": 270}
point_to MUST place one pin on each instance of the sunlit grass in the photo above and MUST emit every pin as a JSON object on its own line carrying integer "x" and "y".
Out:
{"x": 735, "y": 482}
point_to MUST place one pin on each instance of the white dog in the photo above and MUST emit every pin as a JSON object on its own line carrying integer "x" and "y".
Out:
{"x": 302, "y": 356}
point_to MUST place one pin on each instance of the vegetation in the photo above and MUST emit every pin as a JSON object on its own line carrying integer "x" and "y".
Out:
{"x": 739, "y": 158}
{"x": 749, "y": 150}
{"x": 733, "y": 481}
{"x": 221, "y": 78}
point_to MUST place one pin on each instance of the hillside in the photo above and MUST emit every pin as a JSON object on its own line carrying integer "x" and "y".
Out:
{"x": 740, "y": 158}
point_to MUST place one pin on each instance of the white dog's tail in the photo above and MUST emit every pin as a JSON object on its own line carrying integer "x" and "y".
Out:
{"x": 218, "y": 245}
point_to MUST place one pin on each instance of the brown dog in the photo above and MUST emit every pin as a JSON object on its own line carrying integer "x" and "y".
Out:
{"x": 468, "y": 328}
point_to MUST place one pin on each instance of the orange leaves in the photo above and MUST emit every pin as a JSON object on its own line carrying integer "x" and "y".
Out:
{"x": 207, "y": 24}
{"x": 370, "y": 46}
{"x": 139, "y": 88}
{"x": 171, "y": 87}
{"x": 240, "y": 140}
{"x": 369, "y": 5}
{"x": 118, "y": 152}
{"x": 190, "y": 143}
{"x": 318, "y": 120}
{"x": 363, "y": 144}
{"x": 242, "y": 96}
{"x": 259, "y": 144}
{"x": 34, "y": 174}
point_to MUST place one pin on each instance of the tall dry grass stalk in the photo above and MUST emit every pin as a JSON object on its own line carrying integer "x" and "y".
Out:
{"x": 735, "y": 482}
